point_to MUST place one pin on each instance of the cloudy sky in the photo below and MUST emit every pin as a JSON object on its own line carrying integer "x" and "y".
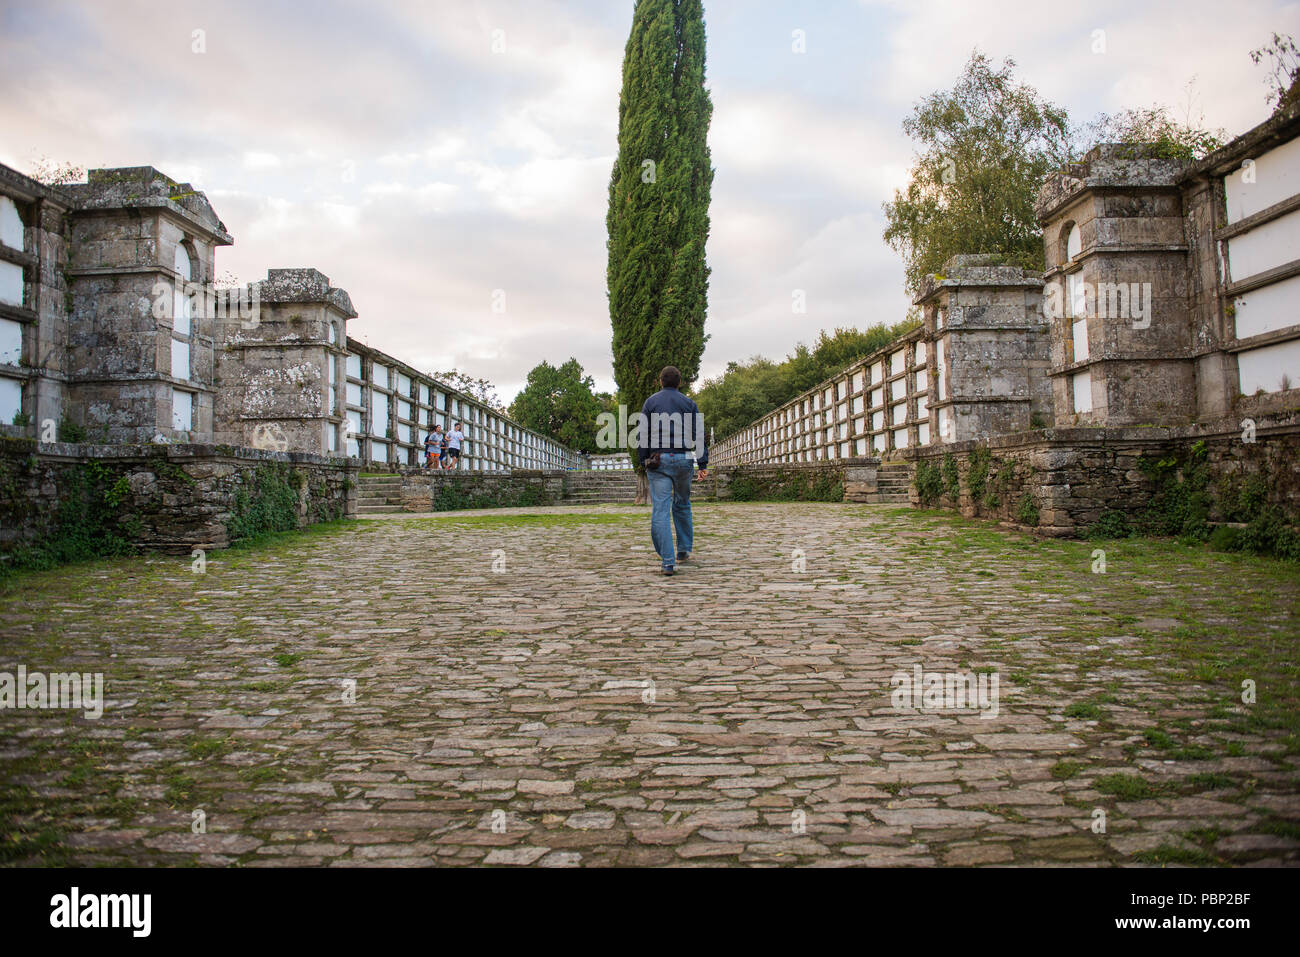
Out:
{"x": 388, "y": 144}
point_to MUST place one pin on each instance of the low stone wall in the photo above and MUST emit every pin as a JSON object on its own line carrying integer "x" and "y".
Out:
{"x": 848, "y": 480}
{"x": 1060, "y": 482}
{"x": 173, "y": 497}
{"x": 425, "y": 490}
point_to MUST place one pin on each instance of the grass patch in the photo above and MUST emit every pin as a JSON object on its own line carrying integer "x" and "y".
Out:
{"x": 1278, "y": 827}
{"x": 1172, "y": 854}
{"x": 180, "y": 789}
{"x": 263, "y": 774}
{"x": 1210, "y": 781}
{"x": 202, "y": 748}
{"x": 1126, "y": 787}
{"x": 1084, "y": 710}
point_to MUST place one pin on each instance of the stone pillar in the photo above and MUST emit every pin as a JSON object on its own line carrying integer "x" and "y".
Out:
{"x": 988, "y": 350}
{"x": 134, "y": 233}
{"x": 1116, "y": 294}
{"x": 273, "y": 370}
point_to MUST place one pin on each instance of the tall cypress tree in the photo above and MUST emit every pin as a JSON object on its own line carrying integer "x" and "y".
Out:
{"x": 658, "y": 218}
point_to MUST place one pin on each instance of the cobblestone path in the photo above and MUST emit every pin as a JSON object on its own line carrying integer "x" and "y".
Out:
{"x": 529, "y": 692}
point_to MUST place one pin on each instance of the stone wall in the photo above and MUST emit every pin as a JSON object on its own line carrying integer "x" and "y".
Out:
{"x": 1060, "y": 482}
{"x": 977, "y": 364}
{"x": 797, "y": 481}
{"x": 159, "y": 496}
{"x": 425, "y": 490}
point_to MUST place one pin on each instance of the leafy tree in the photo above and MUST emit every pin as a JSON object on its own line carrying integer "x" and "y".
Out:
{"x": 559, "y": 402}
{"x": 1284, "y": 70}
{"x": 750, "y": 390}
{"x": 480, "y": 389}
{"x": 985, "y": 146}
{"x": 608, "y": 402}
{"x": 658, "y": 218}
{"x": 1155, "y": 130}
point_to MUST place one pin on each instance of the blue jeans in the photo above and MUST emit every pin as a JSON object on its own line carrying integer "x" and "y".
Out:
{"x": 670, "y": 490}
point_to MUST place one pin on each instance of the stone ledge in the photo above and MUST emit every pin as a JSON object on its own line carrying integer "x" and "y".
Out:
{"x": 183, "y": 452}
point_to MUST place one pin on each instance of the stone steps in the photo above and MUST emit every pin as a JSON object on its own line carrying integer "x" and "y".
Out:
{"x": 377, "y": 495}
{"x": 380, "y": 494}
{"x": 893, "y": 483}
{"x": 590, "y": 488}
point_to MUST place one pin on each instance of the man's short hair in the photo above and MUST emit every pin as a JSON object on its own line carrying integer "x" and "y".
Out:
{"x": 670, "y": 378}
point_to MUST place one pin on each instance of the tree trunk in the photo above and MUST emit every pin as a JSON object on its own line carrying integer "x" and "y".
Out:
{"x": 642, "y": 488}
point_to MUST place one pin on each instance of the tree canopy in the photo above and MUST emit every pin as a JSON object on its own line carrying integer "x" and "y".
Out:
{"x": 480, "y": 389}
{"x": 985, "y": 147}
{"x": 559, "y": 402}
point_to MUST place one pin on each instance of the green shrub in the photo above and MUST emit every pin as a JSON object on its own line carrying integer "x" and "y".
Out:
{"x": 1180, "y": 505}
{"x": 1226, "y": 539}
{"x": 977, "y": 472}
{"x": 86, "y": 524}
{"x": 744, "y": 489}
{"x": 1111, "y": 524}
{"x": 1027, "y": 510}
{"x": 70, "y": 431}
{"x": 951, "y": 477}
{"x": 1269, "y": 533}
{"x": 267, "y": 502}
{"x": 928, "y": 482}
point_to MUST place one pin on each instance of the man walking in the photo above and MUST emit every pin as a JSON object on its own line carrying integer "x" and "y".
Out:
{"x": 671, "y": 428}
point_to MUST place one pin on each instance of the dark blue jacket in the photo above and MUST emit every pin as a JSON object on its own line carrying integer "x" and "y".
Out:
{"x": 671, "y": 435}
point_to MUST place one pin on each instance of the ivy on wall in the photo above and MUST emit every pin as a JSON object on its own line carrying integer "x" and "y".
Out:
{"x": 929, "y": 482}
{"x": 451, "y": 497}
{"x": 267, "y": 502}
{"x": 784, "y": 486}
{"x": 1185, "y": 502}
{"x": 88, "y": 522}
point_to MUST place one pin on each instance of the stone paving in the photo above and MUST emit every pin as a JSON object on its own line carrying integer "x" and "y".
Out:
{"x": 529, "y": 692}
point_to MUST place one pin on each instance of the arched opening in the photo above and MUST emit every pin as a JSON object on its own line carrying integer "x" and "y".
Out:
{"x": 1073, "y": 242}
{"x": 181, "y": 303}
{"x": 182, "y": 331}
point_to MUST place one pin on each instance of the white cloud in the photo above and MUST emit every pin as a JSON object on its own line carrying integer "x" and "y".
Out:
{"x": 393, "y": 150}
